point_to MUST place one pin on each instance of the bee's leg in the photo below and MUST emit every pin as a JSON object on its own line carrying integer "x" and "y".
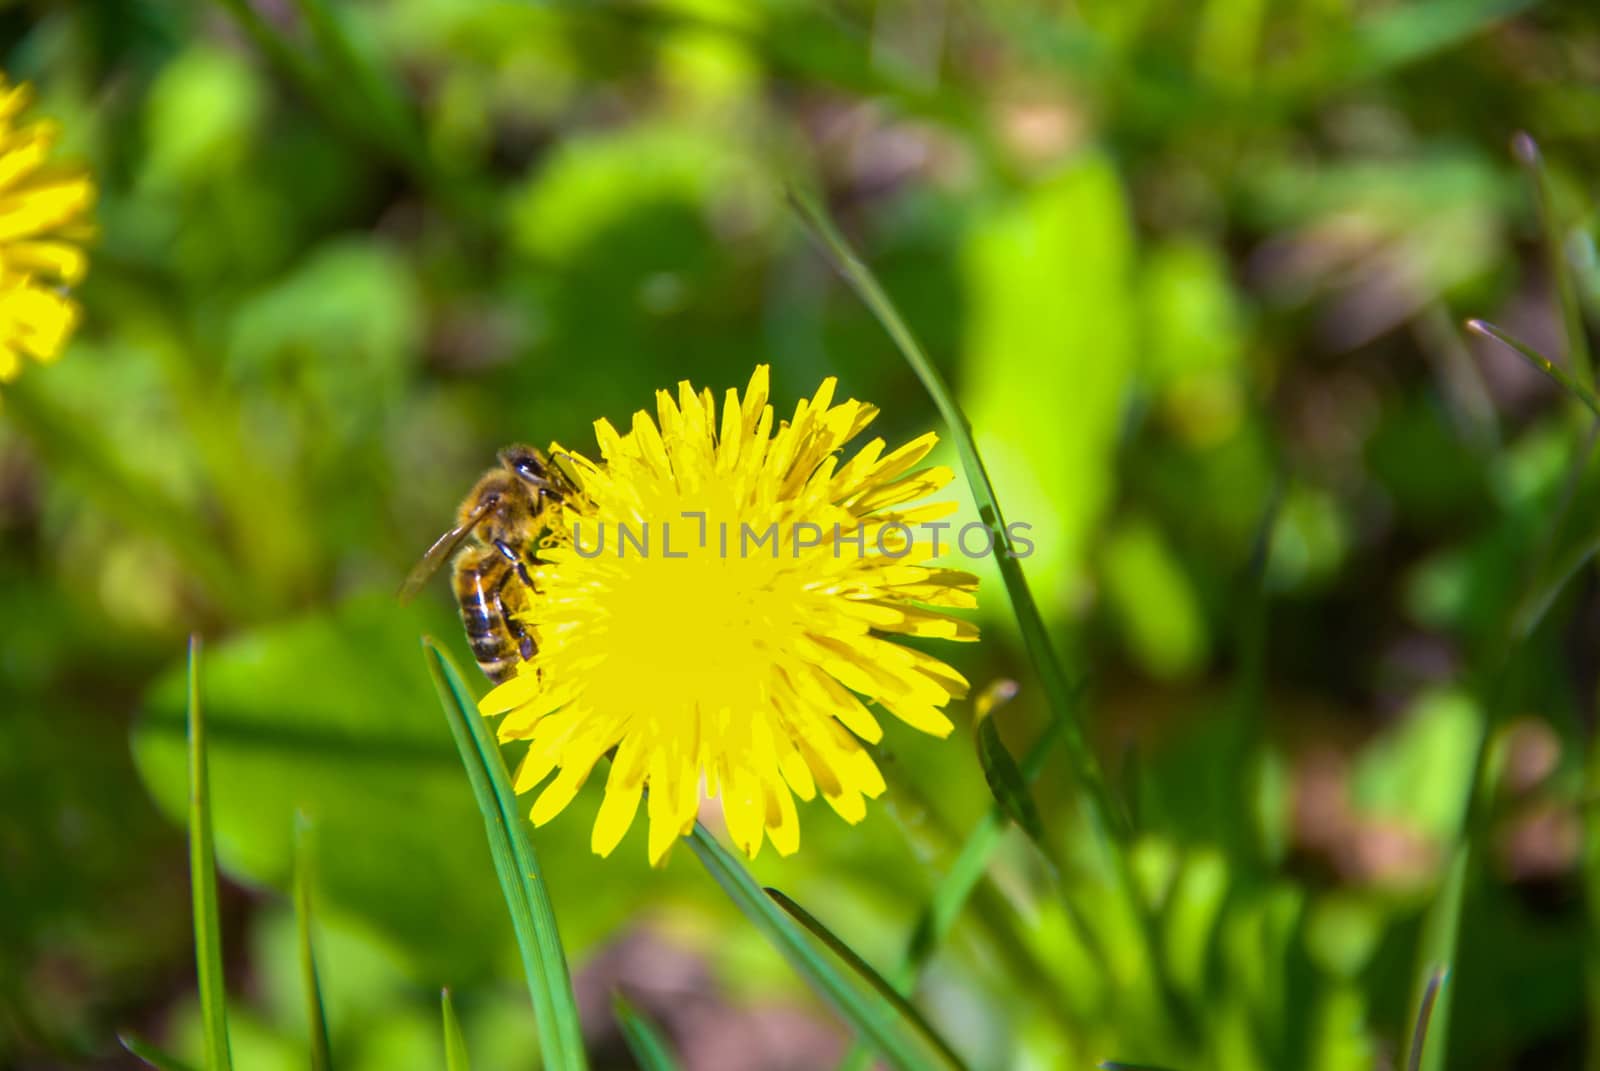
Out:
{"x": 526, "y": 647}
{"x": 509, "y": 553}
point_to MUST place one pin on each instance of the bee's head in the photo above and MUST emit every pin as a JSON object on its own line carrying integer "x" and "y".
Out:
{"x": 528, "y": 465}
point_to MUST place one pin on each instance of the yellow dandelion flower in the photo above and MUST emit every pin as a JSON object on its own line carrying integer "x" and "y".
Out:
{"x": 42, "y": 226}
{"x": 719, "y": 603}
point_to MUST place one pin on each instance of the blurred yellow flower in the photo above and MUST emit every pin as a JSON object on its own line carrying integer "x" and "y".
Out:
{"x": 717, "y": 603}
{"x": 42, "y": 226}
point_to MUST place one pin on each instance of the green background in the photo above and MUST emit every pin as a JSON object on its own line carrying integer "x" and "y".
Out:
{"x": 1197, "y": 272}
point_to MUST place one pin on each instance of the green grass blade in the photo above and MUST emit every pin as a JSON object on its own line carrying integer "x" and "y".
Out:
{"x": 373, "y": 88}
{"x": 868, "y": 1014}
{"x": 161, "y": 1061}
{"x": 377, "y": 115}
{"x": 203, "y": 882}
{"x": 532, "y": 916}
{"x": 1530, "y": 613}
{"x": 864, "y": 970}
{"x": 1394, "y": 37}
{"x": 1526, "y": 150}
{"x": 455, "y": 1046}
{"x": 950, "y": 896}
{"x": 1441, "y": 928}
{"x": 316, "y": 1012}
{"x": 1441, "y": 933}
{"x": 289, "y": 59}
{"x": 649, "y": 1048}
{"x": 952, "y": 892}
{"x": 1123, "y": 1065}
{"x": 1555, "y": 372}
{"x": 1064, "y": 697}
{"x": 1419, "y": 1034}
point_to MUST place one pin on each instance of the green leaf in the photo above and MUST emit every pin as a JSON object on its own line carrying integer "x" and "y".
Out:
{"x": 1153, "y": 600}
{"x": 1005, "y": 779}
{"x": 161, "y": 1061}
{"x": 1418, "y": 773}
{"x": 333, "y": 715}
{"x": 455, "y": 1046}
{"x": 203, "y": 882}
{"x": 1393, "y": 37}
{"x": 865, "y": 971}
{"x": 521, "y": 881}
{"x": 1050, "y": 357}
{"x": 874, "y": 1019}
{"x": 316, "y": 1014}
{"x": 649, "y": 1048}
{"x": 201, "y": 115}
{"x": 80, "y": 452}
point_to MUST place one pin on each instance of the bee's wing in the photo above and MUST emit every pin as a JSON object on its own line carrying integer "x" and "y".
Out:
{"x": 440, "y": 552}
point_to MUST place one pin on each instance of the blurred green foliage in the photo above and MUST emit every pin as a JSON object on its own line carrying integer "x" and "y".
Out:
{"x": 1196, "y": 271}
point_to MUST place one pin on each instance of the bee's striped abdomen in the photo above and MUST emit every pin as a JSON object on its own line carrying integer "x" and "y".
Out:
{"x": 483, "y": 582}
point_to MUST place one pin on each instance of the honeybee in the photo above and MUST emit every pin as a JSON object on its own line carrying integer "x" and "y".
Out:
{"x": 494, "y": 542}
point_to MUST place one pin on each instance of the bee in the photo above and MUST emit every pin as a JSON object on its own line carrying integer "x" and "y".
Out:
{"x": 493, "y": 544}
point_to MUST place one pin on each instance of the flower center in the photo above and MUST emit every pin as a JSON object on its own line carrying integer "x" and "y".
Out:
{"x": 695, "y": 616}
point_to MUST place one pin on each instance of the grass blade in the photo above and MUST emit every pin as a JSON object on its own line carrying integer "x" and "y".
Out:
{"x": 1441, "y": 929}
{"x": 455, "y": 1046}
{"x": 1064, "y": 697}
{"x": 1108, "y": 822}
{"x": 203, "y": 882}
{"x": 1526, "y": 150}
{"x": 1441, "y": 932}
{"x": 376, "y": 115}
{"x": 957, "y": 885}
{"x": 290, "y": 59}
{"x": 1419, "y": 1035}
{"x": 870, "y": 1016}
{"x": 543, "y": 960}
{"x": 908, "y": 1011}
{"x": 649, "y": 1048}
{"x": 953, "y": 891}
{"x": 316, "y": 1013}
{"x": 161, "y": 1061}
{"x": 1123, "y": 1065}
{"x": 364, "y": 79}
{"x": 1580, "y": 391}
